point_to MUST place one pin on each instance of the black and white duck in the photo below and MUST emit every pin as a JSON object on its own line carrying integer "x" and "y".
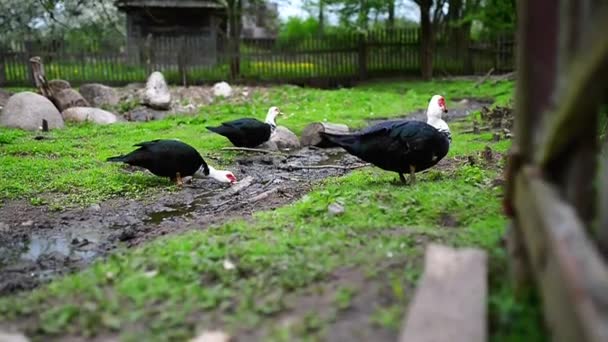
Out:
{"x": 248, "y": 132}
{"x": 402, "y": 146}
{"x": 173, "y": 159}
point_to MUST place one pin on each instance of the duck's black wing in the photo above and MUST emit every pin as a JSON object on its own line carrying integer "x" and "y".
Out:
{"x": 246, "y": 132}
{"x": 165, "y": 158}
{"x": 396, "y": 145}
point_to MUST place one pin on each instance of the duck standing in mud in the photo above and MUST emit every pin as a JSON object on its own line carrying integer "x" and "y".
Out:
{"x": 403, "y": 146}
{"x": 248, "y": 132}
{"x": 173, "y": 159}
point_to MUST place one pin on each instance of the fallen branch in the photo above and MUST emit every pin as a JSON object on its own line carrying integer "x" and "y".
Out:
{"x": 508, "y": 76}
{"x": 478, "y": 130}
{"x": 305, "y": 167}
{"x": 247, "y": 149}
{"x": 484, "y": 78}
{"x": 263, "y": 195}
{"x": 239, "y": 186}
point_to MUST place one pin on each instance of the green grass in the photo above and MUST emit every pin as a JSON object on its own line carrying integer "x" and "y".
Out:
{"x": 72, "y": 163}
{"x": 174, "y": 287}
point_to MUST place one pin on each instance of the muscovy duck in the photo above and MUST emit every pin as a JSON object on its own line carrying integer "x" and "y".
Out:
{"x": 403, "y": 146}
{"x": 173, "y": 159}
{"x": 248, "y": 132}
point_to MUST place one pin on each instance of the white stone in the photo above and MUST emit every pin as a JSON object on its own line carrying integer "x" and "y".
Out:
{"x": 222, "y": 89}
{"x": 26, "y": 110}
{"x": 335, "y": 209}
{"x": 157, "y": 93}
{"x": 95, "y": 115}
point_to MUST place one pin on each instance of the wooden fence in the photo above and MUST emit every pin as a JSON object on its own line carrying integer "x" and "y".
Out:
{"x": 352, "y": 56}
{"x": 559, "y": 227}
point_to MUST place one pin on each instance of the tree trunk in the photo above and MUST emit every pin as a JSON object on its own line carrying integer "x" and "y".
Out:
{"x": 321, "y": 16}
{"x": 391, "y": 14}
{"x": 235, "y": 8}
{"x": 311, "y": 137}
{"x": 426, "y": 40}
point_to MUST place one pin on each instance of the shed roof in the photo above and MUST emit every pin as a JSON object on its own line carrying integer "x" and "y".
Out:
{"x": 169, "y": 3}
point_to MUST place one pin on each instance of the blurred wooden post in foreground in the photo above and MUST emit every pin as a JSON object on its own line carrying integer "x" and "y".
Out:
{"x": 550, "y": 197}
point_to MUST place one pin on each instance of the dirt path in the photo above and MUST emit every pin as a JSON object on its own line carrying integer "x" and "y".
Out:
{"x": 37, "y": 244}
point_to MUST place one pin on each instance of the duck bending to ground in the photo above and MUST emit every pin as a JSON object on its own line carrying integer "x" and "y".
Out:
{"x": 173, "y": 159}
{"x": 248, "y": 132}
{"x": 403, "y": 146}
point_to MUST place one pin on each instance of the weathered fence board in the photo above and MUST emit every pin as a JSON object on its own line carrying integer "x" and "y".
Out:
{"x": 451, "y": 298}
{"x": 572, "y": 276}
{"x": 550, "y": 194}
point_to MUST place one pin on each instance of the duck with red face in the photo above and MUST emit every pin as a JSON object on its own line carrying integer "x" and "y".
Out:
{"x": 173, "y": 159}
{"x": 402, "y": 146}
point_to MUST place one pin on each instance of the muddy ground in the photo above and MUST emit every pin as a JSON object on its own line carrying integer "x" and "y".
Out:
{"x": 37, "y": 244}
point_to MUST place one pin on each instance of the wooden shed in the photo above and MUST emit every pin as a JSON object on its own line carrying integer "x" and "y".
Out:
{"x": 163, "y": 30}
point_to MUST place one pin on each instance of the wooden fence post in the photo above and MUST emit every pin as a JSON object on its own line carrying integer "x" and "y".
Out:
{"x": 235, "y": 58}
{"x": 362, "y": 56}
{"x": 147, "y": 54}
{"x": 182, "y": 62}
{"x": 2, "y": 70}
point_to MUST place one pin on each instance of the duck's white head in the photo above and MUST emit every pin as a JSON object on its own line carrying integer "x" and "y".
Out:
{"x": 434, "y": 113}
{"x": 436, "y": 107}
{"x": 273, "y": 112}
{"x": 218, "y": 175}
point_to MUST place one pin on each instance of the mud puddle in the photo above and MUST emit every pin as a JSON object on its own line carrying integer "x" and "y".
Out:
{"x": 37, "y": 244}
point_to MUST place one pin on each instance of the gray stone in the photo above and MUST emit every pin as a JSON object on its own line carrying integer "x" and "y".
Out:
{"x": 26, "y": 110}
{"x": 157, "y": 93}
{"x": 99, "y": 95}
{"x": 6, "y": 336}
{"x": 95, "y": 115}
{"x": 284, "y": 138}
{"x": 68, "y": 98}
{"x": 58, "y": 85}
{"x": 146, "y": 114}
{"x": 335, "y": 209}
{"x": 269, "y": 145}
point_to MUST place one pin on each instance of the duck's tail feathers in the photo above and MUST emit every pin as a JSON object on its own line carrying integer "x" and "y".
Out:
{"x": 117, "y": 159}
{"x": 346, "y": 141}
{"x": 217, "y": 129}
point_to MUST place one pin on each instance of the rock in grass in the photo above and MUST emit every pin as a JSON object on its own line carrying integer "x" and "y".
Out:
{"x": 58, "y": 85}
{"x": 212, "y": 336}
{"x": 99, "y": 95}
{"x": 94, "y": 115}
{"x": 12, "y": 337}
{"x": 222, "y": 89}
{"x": 68, "y": 98}
{"x": 335, "y": 209}
{"x": 157, "y": 93}
{"x": 26, "y": 110}
{"x": 284, "y": 138}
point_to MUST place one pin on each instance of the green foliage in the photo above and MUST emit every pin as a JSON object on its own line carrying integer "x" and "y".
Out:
{"x": 297, "y": 28}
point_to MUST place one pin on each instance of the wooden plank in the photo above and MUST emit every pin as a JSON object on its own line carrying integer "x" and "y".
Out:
{"x": 450, "y": 301}
{"x": 567, "y": 266}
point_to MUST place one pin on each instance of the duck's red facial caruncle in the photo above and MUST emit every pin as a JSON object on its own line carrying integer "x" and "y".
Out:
{"x": 231, "y": 178}
{"x": 441, "y": 103}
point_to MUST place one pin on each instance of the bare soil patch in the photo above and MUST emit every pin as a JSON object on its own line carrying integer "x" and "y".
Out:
{"x": 37, "y": 244}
